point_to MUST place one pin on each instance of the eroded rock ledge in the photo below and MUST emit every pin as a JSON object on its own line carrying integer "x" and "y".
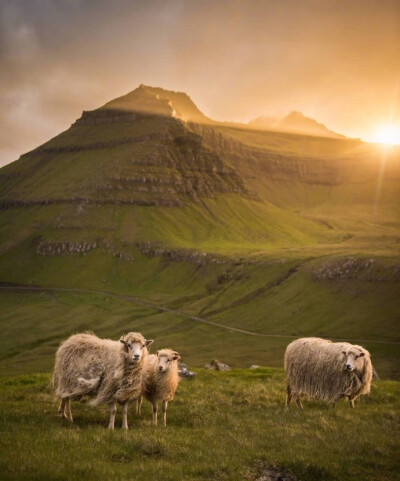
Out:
{"x": 367, "y": 270}
{"x": 124, "y": 251}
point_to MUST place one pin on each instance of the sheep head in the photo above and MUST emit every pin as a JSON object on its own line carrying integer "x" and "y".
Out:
{"x": 166, "y": 357}
{"x": 135, "y": 346}
{"x": 354, "y": 358}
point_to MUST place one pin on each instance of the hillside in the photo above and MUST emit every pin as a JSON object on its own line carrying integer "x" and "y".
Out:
{"x": 273, "y": 233}
{"x": 294, "y": 122}
{"x": 155, "y": 171}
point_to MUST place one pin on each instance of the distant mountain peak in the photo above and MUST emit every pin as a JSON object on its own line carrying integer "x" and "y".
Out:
{"x": 158, "y": 101}
{"x": 295, "y": 122}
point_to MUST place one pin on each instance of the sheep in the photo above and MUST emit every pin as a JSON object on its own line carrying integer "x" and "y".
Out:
{"x": 326, "y": 370}
{"x": 108, "y": 372}
{"x": 160, "y": 380}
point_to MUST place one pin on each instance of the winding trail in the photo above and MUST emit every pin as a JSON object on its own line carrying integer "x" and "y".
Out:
{"x": 135, "y": 300}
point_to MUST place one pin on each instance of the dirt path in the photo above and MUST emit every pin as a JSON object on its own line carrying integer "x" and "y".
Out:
{"x": 135, "y": 300}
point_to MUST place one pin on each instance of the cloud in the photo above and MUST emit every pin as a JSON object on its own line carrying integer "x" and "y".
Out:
{"x": 335, "y": 60}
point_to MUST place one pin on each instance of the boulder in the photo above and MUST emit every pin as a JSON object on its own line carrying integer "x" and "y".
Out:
{"x": 217, "y": 365}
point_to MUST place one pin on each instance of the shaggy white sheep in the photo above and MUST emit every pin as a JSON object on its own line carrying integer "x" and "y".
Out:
{"x": 326, "y": 370}
{"x": 109, "y": 372}
{"x": 160, "y": 380}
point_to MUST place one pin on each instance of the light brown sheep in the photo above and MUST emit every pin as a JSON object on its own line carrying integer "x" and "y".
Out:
{"x": 160, "y": 380}
{"x": 325, "y": 370}
{"x": 108, "y": 372}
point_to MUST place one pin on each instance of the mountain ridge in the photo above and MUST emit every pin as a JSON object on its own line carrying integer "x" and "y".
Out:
{"x": 294, "y": 122}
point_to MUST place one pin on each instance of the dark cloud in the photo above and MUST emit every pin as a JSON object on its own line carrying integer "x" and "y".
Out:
{"x": 334, "y": 60}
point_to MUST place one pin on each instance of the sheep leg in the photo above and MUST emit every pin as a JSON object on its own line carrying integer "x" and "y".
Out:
{"x": 125, "y": 416}
{"x": 298, "y": 402}
{"x": 113, "y": 410}
{"x": 155, "y": 412}
{"x": 139, "y": 405}
{"x": 61, "y": 408}
{"x": 288, "y": 396}
{"x": 351, "y": 401}
{"x": 68, "y": 411}
{"x": 164, "y": 412}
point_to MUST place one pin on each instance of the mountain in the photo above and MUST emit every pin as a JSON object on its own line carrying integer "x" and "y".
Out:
{"x": 138, "y": 152}
{"x": 294, "y": 122}
{"x": 159, "y": 102}
{"x": 153, "y": 150}
{"x": 157, "y": 219}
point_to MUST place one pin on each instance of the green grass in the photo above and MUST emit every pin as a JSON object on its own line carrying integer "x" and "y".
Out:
{"x": 34, "y": 323}
{"x": 221, "y": 426}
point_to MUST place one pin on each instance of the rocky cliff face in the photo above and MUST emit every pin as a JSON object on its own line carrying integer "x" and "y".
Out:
{"x": 329, "y": 169}
{"x": 275, "y": 166}
{"x": 112, "y": 156}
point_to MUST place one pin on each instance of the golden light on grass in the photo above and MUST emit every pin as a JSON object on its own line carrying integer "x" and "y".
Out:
{"x": 388, "y": 135}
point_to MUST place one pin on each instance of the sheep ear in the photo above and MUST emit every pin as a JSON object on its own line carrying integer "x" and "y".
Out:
{"x": 176, "y": 357}
{"x": 124, "y": 343}
{"x": 149, "y": 341}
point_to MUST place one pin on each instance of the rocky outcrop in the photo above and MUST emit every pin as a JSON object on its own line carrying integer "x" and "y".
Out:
{"x": 107, "y": 116}
{"x": 184, "y": 372}
{"x": 101, "y": 145}
{"x": 124, "y": 250}
{"x": 161, "y": 202}
{"x": 44, "y": 248}
{"x": 368, "y": 270}
{"x": 66, "y": 247}
{"x": 180, "y": 255}
{"x": 217, "y": 366}
{"x": 276, "y": 474}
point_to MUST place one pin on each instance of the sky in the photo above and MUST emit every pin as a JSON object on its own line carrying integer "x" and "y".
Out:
{"x": 337, "y": 61}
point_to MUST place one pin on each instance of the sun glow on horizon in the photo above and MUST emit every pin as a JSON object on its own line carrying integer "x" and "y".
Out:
{"x": 388, "y": 135}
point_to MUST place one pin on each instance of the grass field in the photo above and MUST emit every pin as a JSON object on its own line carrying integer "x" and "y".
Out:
{"x": 33, "y": 323}
{"x": 221, "y": 426}
{"x": 296, "y": 235}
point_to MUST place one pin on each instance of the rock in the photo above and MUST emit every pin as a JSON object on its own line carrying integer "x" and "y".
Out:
{"x": 184, "y": 372}
{"x": 276, "y": 474}
{"x": 367, "y": 270}
{"x": 217, "y": 365}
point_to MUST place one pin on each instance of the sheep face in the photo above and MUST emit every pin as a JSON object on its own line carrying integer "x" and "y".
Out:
{"x": 165, "y": 359}
{"x": 353, "y": 360}
{"x": 135, "y": 345}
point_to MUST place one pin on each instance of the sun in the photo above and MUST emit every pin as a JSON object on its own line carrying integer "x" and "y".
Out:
{"x": 388, "y": 135}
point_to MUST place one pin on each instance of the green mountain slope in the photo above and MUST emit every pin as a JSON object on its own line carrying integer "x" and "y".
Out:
{"x": 268, "y": 232}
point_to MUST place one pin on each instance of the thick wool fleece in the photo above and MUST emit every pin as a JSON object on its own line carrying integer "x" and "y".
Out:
{"x": 316, "y": 367}
{"x": 99, "y": 368}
